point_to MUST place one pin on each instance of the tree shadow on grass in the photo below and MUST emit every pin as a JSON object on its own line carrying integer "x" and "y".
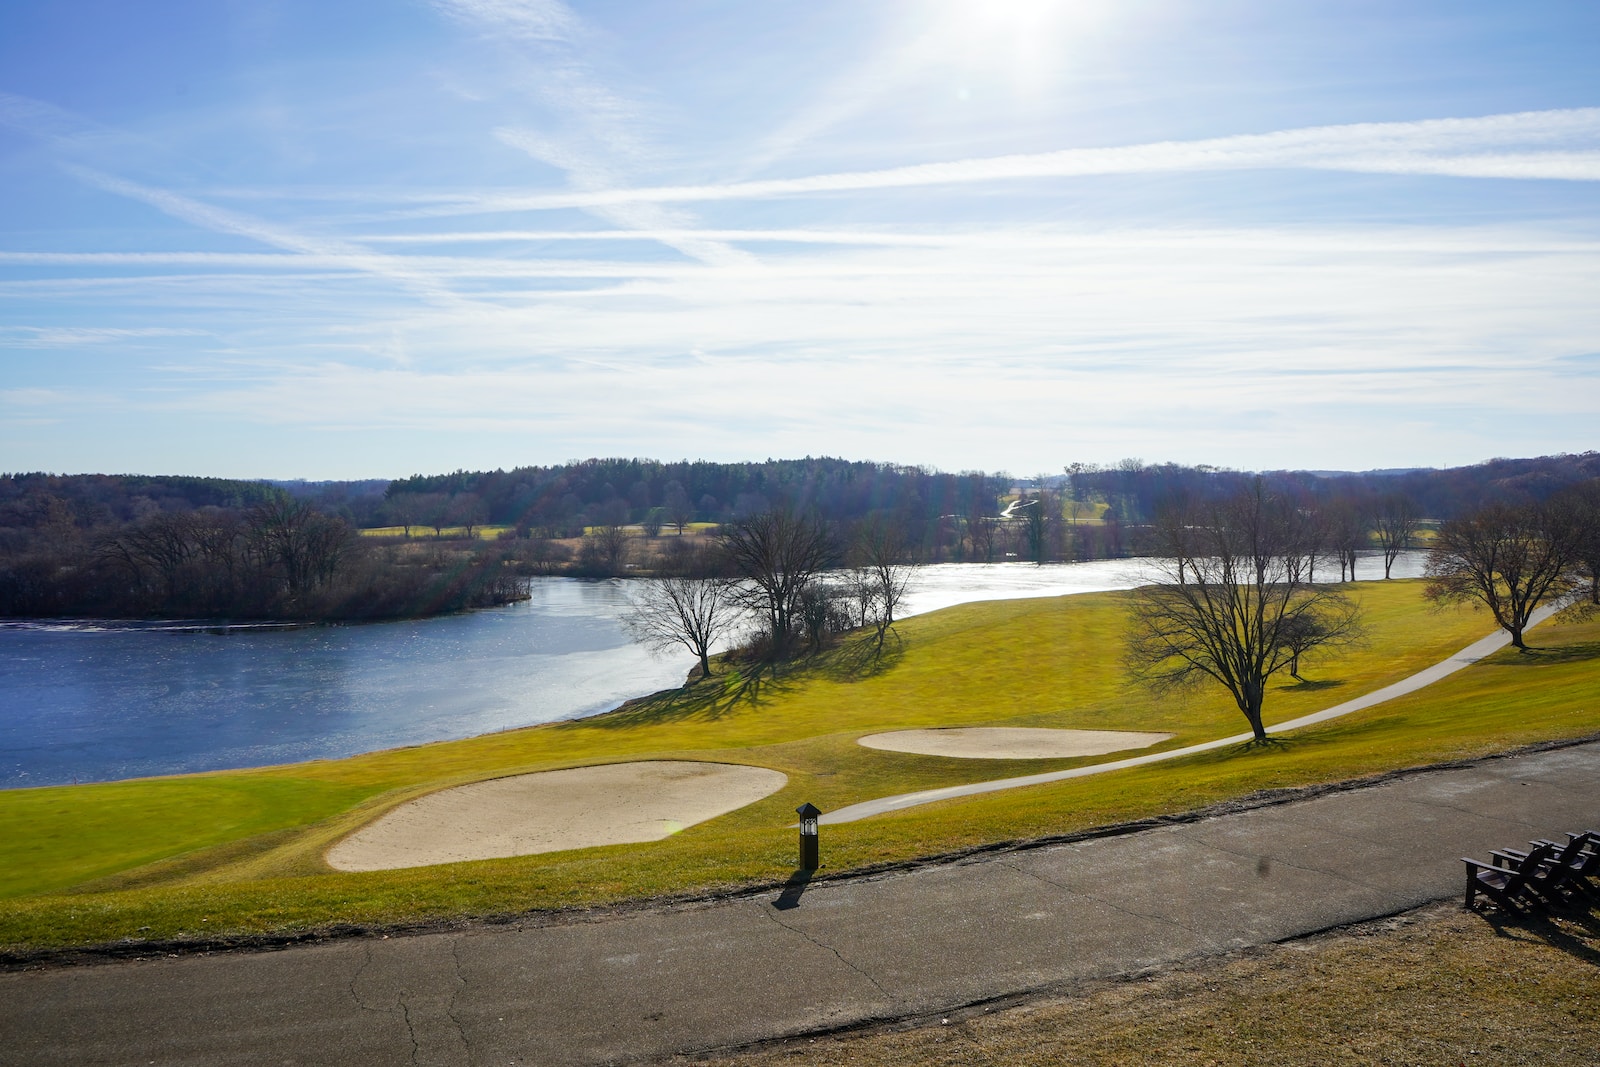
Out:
{"x": 1265, "y": 744}
{"x": 1545, "y": 657}
{"x": 705, "y": 699}
{"x": 746, "y": 683}
{"x": 1311, "y": 685}
{"x": 859, "y": 656}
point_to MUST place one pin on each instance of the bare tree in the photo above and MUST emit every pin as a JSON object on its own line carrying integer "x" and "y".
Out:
{"x": 883, "y": 573}
{"x": 981, "y": 528}
{"x": 692, "y": 613}
{"x": 605, "y": 549}
{"x": 1581, "y": 504}
{"x": 1347, "y": 532}
{"x": 779, "y": 554}
{"x": 1235, "y": 607}
{"x": 1507, "y": 558}
{"x": 160, "y": 544}
{"x": 1394, "y": 520}
{"x": 404, "y": 510}
{"x": 678, "y": 511}
{"x": 468, "y": 511}
{"x": 304, "y": 545}
{"x": 1040, "y": 522}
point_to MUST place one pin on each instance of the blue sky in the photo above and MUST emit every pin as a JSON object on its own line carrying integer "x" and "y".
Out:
{"x": 290, "y": 239}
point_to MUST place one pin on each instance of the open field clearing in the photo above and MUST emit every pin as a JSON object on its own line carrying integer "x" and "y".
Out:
{"x": 242, "y": 853}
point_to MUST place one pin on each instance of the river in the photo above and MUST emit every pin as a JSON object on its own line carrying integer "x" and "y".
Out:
{"x": 98, "y": 701}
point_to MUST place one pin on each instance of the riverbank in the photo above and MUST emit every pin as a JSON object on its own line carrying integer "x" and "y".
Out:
{"x": 240, "y": 853}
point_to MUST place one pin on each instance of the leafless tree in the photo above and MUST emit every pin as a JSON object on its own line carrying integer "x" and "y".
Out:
{"x": 1041, "y": 521}
{"x": 1394, "y": 520}
{"x": 303, "y": 544}
{"x": 678, "y": 511}
{"x": 981, "y": 528}
{"x": 158, "y": 546}
{"x": 1509, "y": 558}
{"x": 605, "y": 549}
{"x": 692, "y": 613}
{"x": 882, "y": 574}
{"x": 467, "y": 510}
{"x": 1347, "y": 533}
{"x": 1581, "y": 505}
{"x": 1243, "y": 610}
{"x": 778, "y": 554}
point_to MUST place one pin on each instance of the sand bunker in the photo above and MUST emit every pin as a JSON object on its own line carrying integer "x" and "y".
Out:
{"x": 1010, "y": 742}
{"x": 616, "y": 804}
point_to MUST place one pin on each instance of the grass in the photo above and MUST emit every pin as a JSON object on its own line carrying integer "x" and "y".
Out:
{"x": 239, "y": 853}
{"x": 421, "y": 532}
{"x": 1438, "y": 986}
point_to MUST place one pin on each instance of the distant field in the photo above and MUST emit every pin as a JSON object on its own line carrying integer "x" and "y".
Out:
{"x": 241, "y": 851}
{"x": 484, "y": 533}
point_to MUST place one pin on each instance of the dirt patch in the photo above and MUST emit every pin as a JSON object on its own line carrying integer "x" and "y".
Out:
{"x": 619, "y": 803}
{"x": 988, "y": 742}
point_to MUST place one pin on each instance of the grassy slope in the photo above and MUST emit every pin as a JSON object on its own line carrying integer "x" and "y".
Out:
{"x": 241, "y": 850}
{"x": 1440, "y": 986}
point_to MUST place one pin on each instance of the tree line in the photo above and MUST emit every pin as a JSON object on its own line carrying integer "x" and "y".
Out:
{"x": 215, "y": 549}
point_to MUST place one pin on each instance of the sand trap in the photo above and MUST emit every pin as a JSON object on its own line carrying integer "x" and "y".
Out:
{"x": 616, "y": 804}
{"x": 983, "y": 742}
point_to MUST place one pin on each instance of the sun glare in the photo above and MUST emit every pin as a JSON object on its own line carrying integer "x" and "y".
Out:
{"x": 1026, "y": 42}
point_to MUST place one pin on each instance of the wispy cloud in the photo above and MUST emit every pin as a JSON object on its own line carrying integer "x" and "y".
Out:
{"x": 1561, "y": 145}
{"x": 78, "y": 336}
{"x": 225, "y": 221}
{"x": 601, "y": 144}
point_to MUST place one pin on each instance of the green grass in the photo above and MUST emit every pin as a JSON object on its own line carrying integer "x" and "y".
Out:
{"x": 240, "y": 852}
{"x": 421, "y": 532}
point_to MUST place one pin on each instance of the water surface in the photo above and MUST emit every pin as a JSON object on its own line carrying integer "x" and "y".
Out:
{"x": 99, "y": 701}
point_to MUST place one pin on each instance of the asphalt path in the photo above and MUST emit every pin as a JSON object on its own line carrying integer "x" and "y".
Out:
{"x": 643, "y": 985}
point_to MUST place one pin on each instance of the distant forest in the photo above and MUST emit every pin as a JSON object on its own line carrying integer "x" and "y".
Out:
{"x": 563, "y": 500}
{"x": 136, "y": 545}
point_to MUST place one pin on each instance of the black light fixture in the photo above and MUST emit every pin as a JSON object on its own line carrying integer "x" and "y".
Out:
{"x": 808, "y": 813}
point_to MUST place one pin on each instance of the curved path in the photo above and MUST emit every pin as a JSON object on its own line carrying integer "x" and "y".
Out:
{"x": 1465, "y": 658}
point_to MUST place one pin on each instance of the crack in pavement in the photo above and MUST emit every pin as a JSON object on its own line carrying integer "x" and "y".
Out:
{"x": 355, "y": 980}
{"x": 767, "y": 910}
{"x": 460, "y": 987}
{"x": 411, "y": 1030}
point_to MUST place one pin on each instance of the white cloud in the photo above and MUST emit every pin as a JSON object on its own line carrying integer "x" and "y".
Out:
{"x": 1561, "y": 145}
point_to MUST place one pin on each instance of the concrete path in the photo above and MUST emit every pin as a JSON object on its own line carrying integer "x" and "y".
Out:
{"x": 1425, "y": 677}
{"x": 620, "y": 988}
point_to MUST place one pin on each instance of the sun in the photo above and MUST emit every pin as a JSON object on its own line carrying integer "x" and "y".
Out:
{"x": 1027, "y": 42}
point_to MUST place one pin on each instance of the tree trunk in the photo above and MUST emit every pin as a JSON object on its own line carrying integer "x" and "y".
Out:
{"x": 1251, "y": 706}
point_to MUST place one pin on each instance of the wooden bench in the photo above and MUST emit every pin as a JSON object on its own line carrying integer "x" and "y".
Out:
{"x": 1547, "y": 874}
{"x": 1506, "y": 882}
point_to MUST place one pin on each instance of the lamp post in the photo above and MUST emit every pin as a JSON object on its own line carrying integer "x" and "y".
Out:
{"x": 808, "y": 813}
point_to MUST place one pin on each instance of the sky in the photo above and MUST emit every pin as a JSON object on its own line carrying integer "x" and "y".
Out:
{"x": 294, "y": 239}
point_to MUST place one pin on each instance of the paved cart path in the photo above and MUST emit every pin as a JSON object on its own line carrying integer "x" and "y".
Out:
{"x": 644, "y": 985}
{"x": 1425, "y": 677}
